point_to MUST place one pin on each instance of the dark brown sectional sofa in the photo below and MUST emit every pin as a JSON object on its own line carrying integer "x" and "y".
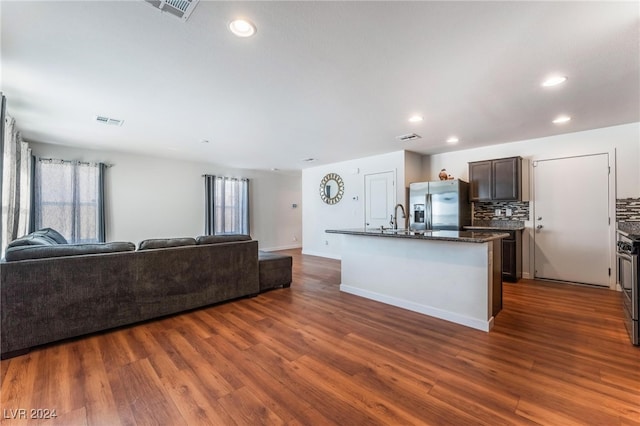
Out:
{"x": 58, "y": 291}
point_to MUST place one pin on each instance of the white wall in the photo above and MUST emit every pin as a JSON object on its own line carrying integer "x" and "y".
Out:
{"x": 621, "y": 142}
{"x": 414, "y": 171}
{"x": 348, "y": 213}
{"x": 624, "y": 140}
{"x": 149, "y": 197}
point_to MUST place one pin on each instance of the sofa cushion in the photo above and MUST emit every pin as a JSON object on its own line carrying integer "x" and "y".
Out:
{"x": 32, "y": 240}
{"x": 52, "y": 234}
{"x": 224, "y": 238}
{"x": 42, "y": 237}
{"x": 59, "y": 250}
{"x": 159, "y": 243}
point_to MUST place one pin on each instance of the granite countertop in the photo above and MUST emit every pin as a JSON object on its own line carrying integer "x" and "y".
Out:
{"x": 455, "y": 236}
{"x": 497, "y": 225}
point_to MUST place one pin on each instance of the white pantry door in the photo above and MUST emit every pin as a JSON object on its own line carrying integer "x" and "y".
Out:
{"x": 380, "y": 199}
{"x": 571, "y": 219}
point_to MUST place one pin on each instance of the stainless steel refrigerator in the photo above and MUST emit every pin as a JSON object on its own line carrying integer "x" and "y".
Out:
{"x": 439, "y": 205}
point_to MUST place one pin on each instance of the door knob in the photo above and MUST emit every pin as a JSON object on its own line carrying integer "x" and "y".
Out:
{"x": 539, "y": 227}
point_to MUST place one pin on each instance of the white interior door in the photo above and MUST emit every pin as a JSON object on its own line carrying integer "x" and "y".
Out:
{"x": 380, "y": 199}
{"x": 571, "y": 219}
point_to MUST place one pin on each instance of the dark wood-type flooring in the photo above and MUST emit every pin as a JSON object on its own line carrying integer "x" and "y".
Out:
{"x": 310, "y": 355}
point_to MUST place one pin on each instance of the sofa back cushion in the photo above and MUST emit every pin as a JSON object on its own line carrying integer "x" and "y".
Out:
{"x": 159, "y": 243}
{"x": 217, "y": 239}
{"x": 59, "y": 250}
{"x": 43, "y": 237}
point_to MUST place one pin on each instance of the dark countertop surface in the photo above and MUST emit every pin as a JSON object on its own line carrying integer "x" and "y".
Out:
{"x": 497, "y": 225}
{"x": 455, "y": 236}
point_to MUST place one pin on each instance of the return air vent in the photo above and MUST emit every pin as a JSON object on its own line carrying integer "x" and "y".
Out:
{"x": 109, "y": 121}
{"x": 409, "y": 137}
{"x": 179, "y": 8}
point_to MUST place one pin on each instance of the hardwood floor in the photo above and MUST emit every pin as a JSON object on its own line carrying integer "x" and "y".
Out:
{"x": 310, "y": 355}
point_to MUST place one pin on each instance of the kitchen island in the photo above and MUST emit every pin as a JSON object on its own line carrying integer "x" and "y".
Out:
{"x": 451, "y": 275}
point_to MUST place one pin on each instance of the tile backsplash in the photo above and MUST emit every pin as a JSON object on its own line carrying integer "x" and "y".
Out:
{"x": 487, "y": 210}
{"x": 628, "y": 210}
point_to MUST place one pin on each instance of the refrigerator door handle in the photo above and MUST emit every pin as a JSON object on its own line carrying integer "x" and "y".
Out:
{"x": 427, "y": 213}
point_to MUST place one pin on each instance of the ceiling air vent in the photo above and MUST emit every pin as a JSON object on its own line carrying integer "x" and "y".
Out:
{"x": 109, "y": 121}
{"x": 409, "y": 137}
{"x": 179, "y": 8}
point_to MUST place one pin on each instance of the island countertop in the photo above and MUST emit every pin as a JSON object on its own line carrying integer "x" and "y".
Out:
{"x": 455, "y": 236}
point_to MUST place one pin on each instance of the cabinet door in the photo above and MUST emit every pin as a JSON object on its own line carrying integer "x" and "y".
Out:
{"x": 509, "y": 260}
{"x": 480, "y": 181}
{"x": 506, "y": 179}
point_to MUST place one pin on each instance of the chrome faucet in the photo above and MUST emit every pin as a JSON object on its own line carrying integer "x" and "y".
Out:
{"x": 394, "y": 219}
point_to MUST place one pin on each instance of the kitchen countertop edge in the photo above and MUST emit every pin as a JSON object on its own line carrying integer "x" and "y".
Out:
{"x": 495, "y": 228}
{"x": 439, "y": 235}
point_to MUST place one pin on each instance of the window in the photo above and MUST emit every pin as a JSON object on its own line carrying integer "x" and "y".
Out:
{"x": 15, "y": 181}
{"x": 69, "y": 198}
{"x": 227, "y": 205}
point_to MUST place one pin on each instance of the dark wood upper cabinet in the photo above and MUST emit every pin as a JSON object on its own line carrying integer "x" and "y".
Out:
{"x": 506, "y": 178}
{"x": 480, "y": 180}
{"x": 497, "y": 180}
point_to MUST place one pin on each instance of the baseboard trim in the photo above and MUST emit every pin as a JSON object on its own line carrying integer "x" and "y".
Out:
{"x": 422, "y": 309}
{"x": 321, "y": 254}
{"x": 293, "y": 246}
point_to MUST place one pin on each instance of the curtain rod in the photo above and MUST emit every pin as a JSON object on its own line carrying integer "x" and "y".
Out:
{"x": 228, "y": 177}
{"x": 87, "y": 163}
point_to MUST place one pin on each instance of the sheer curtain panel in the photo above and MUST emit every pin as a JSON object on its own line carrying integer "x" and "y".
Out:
{"x": 69, "y": 197}
{"x": 227, "y": 205}
{"x": 16, "y": 184}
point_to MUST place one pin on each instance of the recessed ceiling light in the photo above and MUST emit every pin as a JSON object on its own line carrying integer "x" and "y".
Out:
{"x": 561, "y": 119}
{"x": 415, "y": 119}
{"x": 453, "y": 139}
{"x": 242, "y": 28}
{"x": 309, "y": 160}
{"x": 554, "y": 81}
{"x": 204, "y": 141}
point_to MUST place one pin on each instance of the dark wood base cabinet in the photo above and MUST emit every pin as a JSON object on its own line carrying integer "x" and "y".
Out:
{"x": 512, "y": 256}
{"x": 511, "y": 253}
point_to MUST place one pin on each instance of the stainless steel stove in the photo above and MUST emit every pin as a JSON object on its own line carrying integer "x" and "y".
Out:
{"x": 628, "y": 249}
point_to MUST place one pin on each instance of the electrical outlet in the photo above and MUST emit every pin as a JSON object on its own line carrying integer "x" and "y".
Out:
{"x": 509, "y": 212}
{"x": 497, "y": 212}
{"x": 326, "y": 242}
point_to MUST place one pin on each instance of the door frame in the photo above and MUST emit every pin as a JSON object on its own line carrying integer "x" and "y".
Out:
{"x": 611, "y": 196}
{"x": 364, "y": 187}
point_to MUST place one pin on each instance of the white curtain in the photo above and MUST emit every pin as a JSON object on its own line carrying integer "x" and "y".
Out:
{"x": 68, "y": 198}
{"x": 16, "y": 184}
{"x": 227, "y": 205}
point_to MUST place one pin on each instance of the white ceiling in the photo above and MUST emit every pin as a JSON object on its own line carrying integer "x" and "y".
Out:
{"x": 328, "y": 80}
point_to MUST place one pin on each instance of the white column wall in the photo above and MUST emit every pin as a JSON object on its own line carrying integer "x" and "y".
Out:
{"x": 349, "y": 212}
